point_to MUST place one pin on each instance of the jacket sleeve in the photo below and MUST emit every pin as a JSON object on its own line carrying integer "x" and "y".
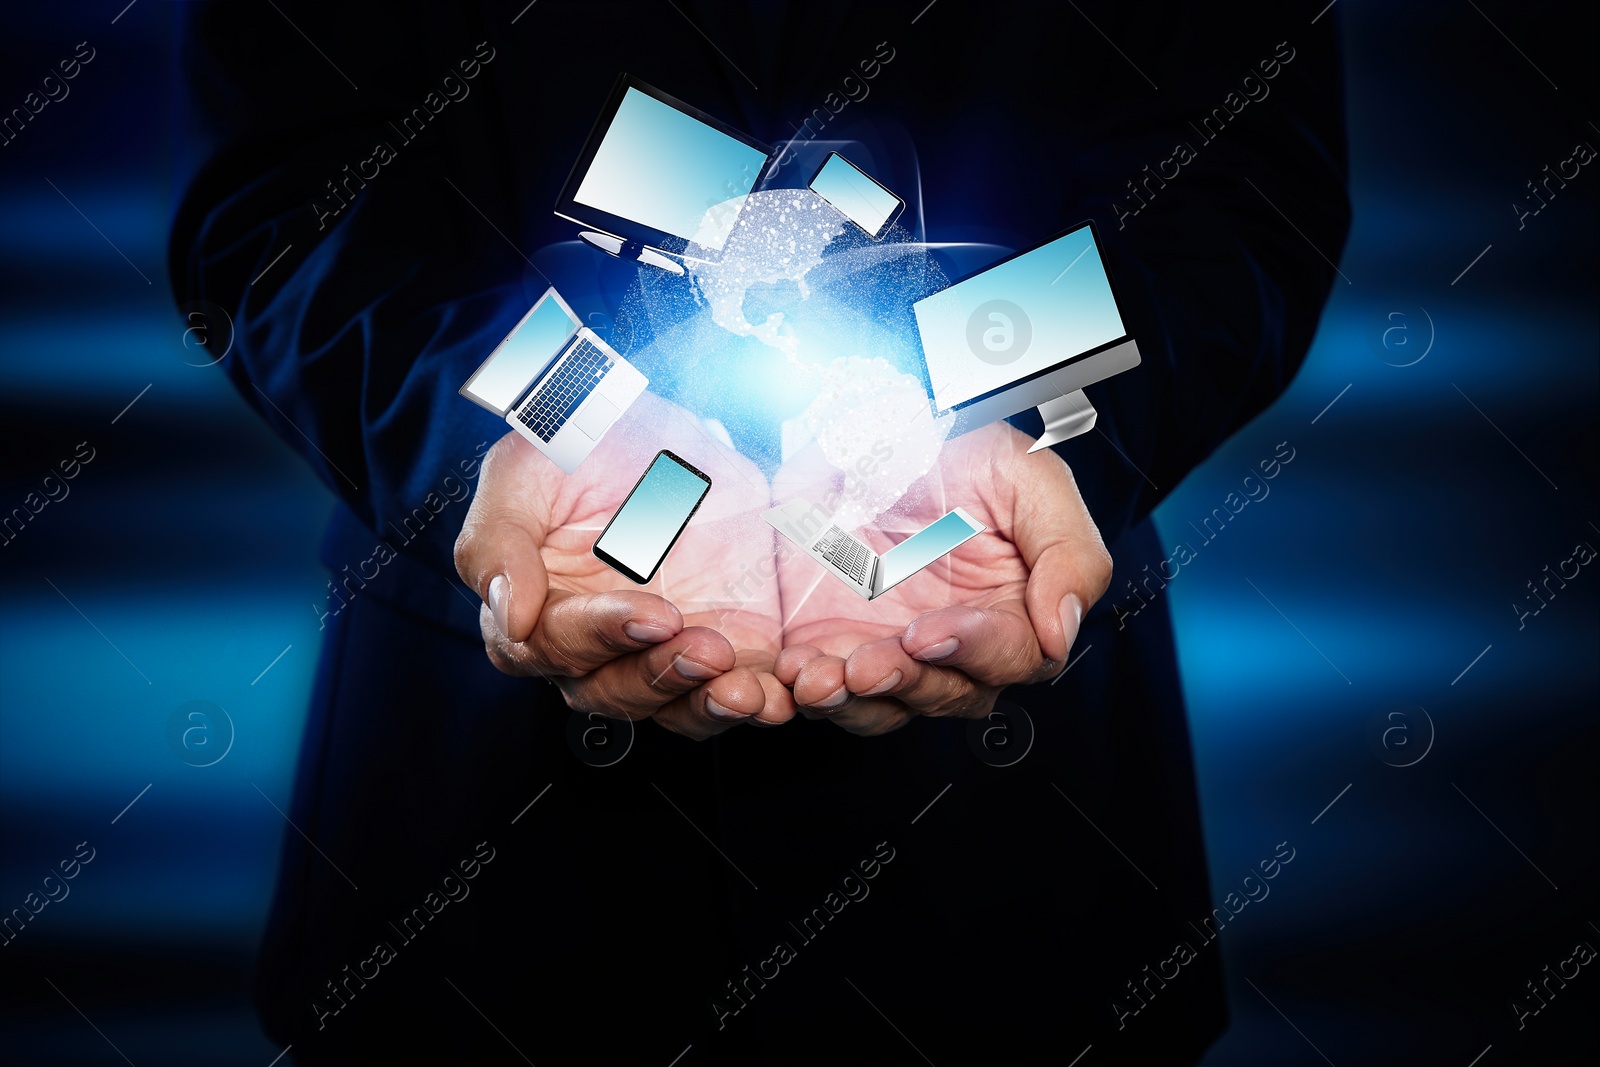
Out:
{"x": 361, "y": 286}
{"x": 1223, "y": 262}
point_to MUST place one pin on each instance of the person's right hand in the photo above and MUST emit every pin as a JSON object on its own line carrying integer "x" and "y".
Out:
{"x": 552, "y": 609}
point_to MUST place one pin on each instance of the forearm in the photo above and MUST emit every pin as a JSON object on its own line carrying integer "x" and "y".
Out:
{"x": 1223, "y": 264}
{"x": 356, "y": 311}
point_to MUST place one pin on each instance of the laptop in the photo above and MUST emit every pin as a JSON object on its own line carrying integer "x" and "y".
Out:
{"x": 556, "y": 382}
{"x": 1031, "y": 330}
{"x": 850, "y": 560}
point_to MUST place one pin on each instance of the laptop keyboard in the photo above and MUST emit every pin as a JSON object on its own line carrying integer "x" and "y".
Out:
{"x": 845, "y": 552}
{"x": 569, "y": 385}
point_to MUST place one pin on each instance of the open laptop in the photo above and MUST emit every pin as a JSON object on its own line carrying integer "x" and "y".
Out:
{"x": 862, "y": 569}
{"x": 556, "y": 382}
{"x": 1031, "y": 330}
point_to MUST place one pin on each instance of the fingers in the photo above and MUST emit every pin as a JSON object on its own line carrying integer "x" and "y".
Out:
{"x": 779, "y": 706}
{"x": 748, "y": 693}
{"x": 993, "y": 646}
{"x": 798, "y": 668}
{"x": 951, "y": 662}
{"x": 1066, "y": 580}
{"x": 948, "y": 662}
{"x": 623, "y": 652}
{"x": 772, "y": 706}
{"x": 579, "y": 633}
{"x": 497, "y": 551}
{"x": 954, "y": 661}
{"x": 693, "y": 685}
{"x": 882, "y": 669}
{"x": 640, "y": 684}
{"x": 501, "y": 561}
{"x": 1069, "y": 567}
{"x": 871, "y": 717}
{"x": 815, "y": 680}
{"x": 820, "y": 691}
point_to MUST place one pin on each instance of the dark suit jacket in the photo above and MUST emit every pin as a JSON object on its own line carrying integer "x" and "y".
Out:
{"x": 716, "y": 895}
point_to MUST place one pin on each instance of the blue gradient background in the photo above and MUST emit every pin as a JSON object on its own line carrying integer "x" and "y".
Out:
{"x": 643, "y": 529}
{"x": 664, "y": 169}
{"x": 1396, "y": 541}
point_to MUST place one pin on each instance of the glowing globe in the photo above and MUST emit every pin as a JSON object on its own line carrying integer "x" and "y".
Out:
{"x": 800, "y": 331}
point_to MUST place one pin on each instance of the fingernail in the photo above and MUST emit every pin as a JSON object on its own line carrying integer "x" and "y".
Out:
{"x": 884, "y": 686}
{"x": 943, "y": 650}
{"x": 645, "y": 631}
{"x": 722, "y": 714}
{"x": 500, "y": 603}
{"x": 697, "y": 671}
{"x": 1071, "y": 616}
{"x": 763, "y": 724}
{"x": 833, "y": 699}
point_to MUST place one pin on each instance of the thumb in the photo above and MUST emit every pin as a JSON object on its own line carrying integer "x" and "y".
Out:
{"x": 1068, "y": 565}
{"x": 497, "y": 552}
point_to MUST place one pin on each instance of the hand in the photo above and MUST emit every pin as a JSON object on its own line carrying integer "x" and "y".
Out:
{"x": 1020, "y": 590}
{"x": 552, "y": 609}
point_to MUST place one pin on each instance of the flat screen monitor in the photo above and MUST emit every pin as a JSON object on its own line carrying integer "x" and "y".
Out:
{"x": 1020, "y": 319}
{"x": 662, "y": 173}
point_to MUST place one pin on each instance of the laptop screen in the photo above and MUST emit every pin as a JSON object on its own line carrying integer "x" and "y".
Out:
{"x": 924, "y": 547}
{"x": 522, "y": 356}
{"x": 667, "y": 170}
{"x": 1013, "y": 321}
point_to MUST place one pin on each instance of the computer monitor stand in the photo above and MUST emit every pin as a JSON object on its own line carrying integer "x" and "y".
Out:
{"x": 1065, "y": 417}
{"x": 616, "y": 246}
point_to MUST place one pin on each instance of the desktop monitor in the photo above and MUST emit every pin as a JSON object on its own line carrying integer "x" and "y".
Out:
{"x": 1031, "y": 330}
{"x": 658, "y": 173}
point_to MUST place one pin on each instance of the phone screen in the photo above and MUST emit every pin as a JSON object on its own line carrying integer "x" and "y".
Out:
{"x": 648, "y": 524}
{"x": 858, "y": 198}
{"x": 925, "y": 546}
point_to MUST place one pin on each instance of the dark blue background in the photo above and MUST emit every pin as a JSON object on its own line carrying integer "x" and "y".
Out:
{"x": 1396, "y": 542}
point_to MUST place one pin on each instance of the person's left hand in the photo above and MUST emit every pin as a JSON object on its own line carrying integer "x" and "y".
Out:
{"x": 694, "y": 648}
{"x": 1002, "y": 609}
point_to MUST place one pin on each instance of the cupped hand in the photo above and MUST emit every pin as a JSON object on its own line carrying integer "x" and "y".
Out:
{"x": 1002, "y": 609}
{"x": 691, "y": 649}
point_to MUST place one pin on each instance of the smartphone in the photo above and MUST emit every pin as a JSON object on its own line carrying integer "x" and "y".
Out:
{"x": 651, "y": 520}
{"x": 857, "y": 197}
